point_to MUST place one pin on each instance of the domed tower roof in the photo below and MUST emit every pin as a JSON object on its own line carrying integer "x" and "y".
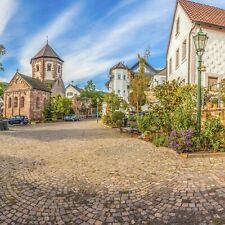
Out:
{"x": 47, "y": 52}
{"x": 119, "y": 65}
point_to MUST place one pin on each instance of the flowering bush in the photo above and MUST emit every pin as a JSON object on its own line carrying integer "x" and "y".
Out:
{"x": 182, "y": 141}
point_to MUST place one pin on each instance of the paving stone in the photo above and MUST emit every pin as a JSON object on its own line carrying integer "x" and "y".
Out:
{"x": 84, "y": 173}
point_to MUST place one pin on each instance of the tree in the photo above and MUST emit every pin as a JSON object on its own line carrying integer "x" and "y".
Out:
{"x": 138, "y": 86}
{"x": 2, "y": 52}
{"x": 114, "y": 102}
{"x": 90, "y": 87}
{"x": 91, "y": 92}
{"x": 61, "y": 106}
{"x": 2, "y": 88}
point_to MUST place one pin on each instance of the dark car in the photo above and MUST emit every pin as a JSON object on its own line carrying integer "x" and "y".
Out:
{"x": 23, "y": 120}
{"x": 71, "y": 117}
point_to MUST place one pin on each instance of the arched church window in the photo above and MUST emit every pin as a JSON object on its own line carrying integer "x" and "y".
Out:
{"x": 9, "y": 103}
{"x": 22, "y": 102}
{"x": 15, "y": 102}
{"x": 59, "y": 69}
{"x": 37, "y": 67}
{"x": 37, "y": 103}
{"x": 49, "y": 67}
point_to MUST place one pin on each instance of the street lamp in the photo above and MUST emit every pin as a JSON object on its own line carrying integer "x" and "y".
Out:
{"x": 97, "y": 108}
{"x": 200, "y": 41}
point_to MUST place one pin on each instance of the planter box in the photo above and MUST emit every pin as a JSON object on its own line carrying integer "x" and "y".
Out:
{"x": 202, "y": 155}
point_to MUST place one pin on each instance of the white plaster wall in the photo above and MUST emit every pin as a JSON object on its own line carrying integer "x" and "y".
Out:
{"x": 74, "y": 91}
{"x": 158, "y": 79}
{"x": 176, "y": 42}
{"x": 213, "y": 58}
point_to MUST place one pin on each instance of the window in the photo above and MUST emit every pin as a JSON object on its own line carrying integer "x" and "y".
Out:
{"x": 118, "y": 91}
{"x": 170, "y": 66}
{"x": 49, "y": 67}
{"x": 119, "y": 76}
{"x": 59, "y": 69}
{"x": 124, "y": 77}
{"x": 70, "y": 94}
{"x": 212, "y": 81}
{"x": 124, "y": 92}
{"x": 184, "y": 50}
{"x": 9, "y": 103}
{"x": 22, "y": 102}
{"x": 37, "y": 103}
{"x": 15, "y": 102}
{"x": 177, "y": 57}
{"x": 178, "y": 26}
{"x": 37, "y": 68}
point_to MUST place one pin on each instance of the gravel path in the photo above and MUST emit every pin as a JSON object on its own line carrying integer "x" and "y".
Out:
{"x": 84, "y": 173}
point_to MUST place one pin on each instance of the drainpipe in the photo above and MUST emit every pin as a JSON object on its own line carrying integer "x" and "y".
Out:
{"x": 189, "y": 53}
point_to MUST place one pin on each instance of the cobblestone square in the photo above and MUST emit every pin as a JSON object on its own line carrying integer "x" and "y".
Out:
{"x": 84, "y": 173}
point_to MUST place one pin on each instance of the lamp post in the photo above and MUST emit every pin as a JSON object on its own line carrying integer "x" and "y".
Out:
{"x": 200, "y": 41}
{"x": 97, "y": 108}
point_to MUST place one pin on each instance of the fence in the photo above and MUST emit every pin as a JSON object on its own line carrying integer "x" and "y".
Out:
{"x": 213, "y": 99}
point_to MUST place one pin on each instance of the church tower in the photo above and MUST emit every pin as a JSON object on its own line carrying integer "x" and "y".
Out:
{"x": 46, "y": 64}
{"x": 47, "y": 67}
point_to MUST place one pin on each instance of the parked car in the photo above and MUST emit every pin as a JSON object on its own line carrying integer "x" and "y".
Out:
{"x": 23, "y": 120}
{"x": 71, "y": 117}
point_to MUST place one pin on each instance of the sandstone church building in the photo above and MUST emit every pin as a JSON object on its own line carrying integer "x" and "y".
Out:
{"x": 27, "y": 95}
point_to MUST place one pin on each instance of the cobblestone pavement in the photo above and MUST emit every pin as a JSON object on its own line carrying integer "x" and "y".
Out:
{"x": 83, "y": 173}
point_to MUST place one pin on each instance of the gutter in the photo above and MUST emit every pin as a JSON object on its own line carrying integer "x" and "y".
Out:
{"x": 189, "y": 53}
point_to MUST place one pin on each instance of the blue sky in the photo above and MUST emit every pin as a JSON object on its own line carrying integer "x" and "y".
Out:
{"x": 89, "y": 35}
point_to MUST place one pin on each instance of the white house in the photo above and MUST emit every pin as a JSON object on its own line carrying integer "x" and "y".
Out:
{"x": 181, "y": 54}
{"x": 72, "y": 90}
{"x": 159, "y": 77}
{"x": 120, "y": 75}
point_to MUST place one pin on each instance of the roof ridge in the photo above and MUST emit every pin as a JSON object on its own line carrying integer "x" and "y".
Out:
{"x": 203, "y": 4}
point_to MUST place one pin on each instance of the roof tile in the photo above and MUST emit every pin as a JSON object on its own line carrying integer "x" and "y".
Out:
{"x": 204, "y": 13}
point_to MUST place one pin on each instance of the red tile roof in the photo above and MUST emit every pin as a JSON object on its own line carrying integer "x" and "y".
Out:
{"x": 204, "y": 13}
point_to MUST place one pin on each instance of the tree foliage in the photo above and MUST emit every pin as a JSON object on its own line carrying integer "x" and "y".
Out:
{"x": 2, "y": 88}
{"x": 138, "y": 85}
{"x": 91, "y": 92}
{"x": 114, "y": 102}
{"x": 57, "y": 108}
{"x": 2, "y": 52}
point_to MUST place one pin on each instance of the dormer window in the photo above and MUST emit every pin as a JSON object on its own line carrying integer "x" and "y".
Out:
{"x": 49, "y": 67}
{"x": 119, "y": 76}
{"x": 178, "y": 26}
{"x": 37, "y": 68}
{"x": 59, "y": 69}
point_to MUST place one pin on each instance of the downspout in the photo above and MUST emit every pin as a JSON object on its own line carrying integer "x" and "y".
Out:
{"x": 189, "y": 53}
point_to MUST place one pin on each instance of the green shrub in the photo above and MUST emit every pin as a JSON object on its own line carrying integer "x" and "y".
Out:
{"x": 143, "y": 123}
{"x": 160, "y": 140}
{"x": 119, "y": 123}
{"x": 106, "y": 119}
{"x": 117, "y": 115}
{"x": 212, "y": 136}
{"x": 132, "y": 118}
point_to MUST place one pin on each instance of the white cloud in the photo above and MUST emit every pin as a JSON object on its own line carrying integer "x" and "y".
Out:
{"x": 8, "y": 8}
{"x": 53, "y": 30}
{"x": 97, "y": 55}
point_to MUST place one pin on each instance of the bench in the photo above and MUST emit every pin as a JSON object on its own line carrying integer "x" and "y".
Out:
{"x": 129, "y": 130}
